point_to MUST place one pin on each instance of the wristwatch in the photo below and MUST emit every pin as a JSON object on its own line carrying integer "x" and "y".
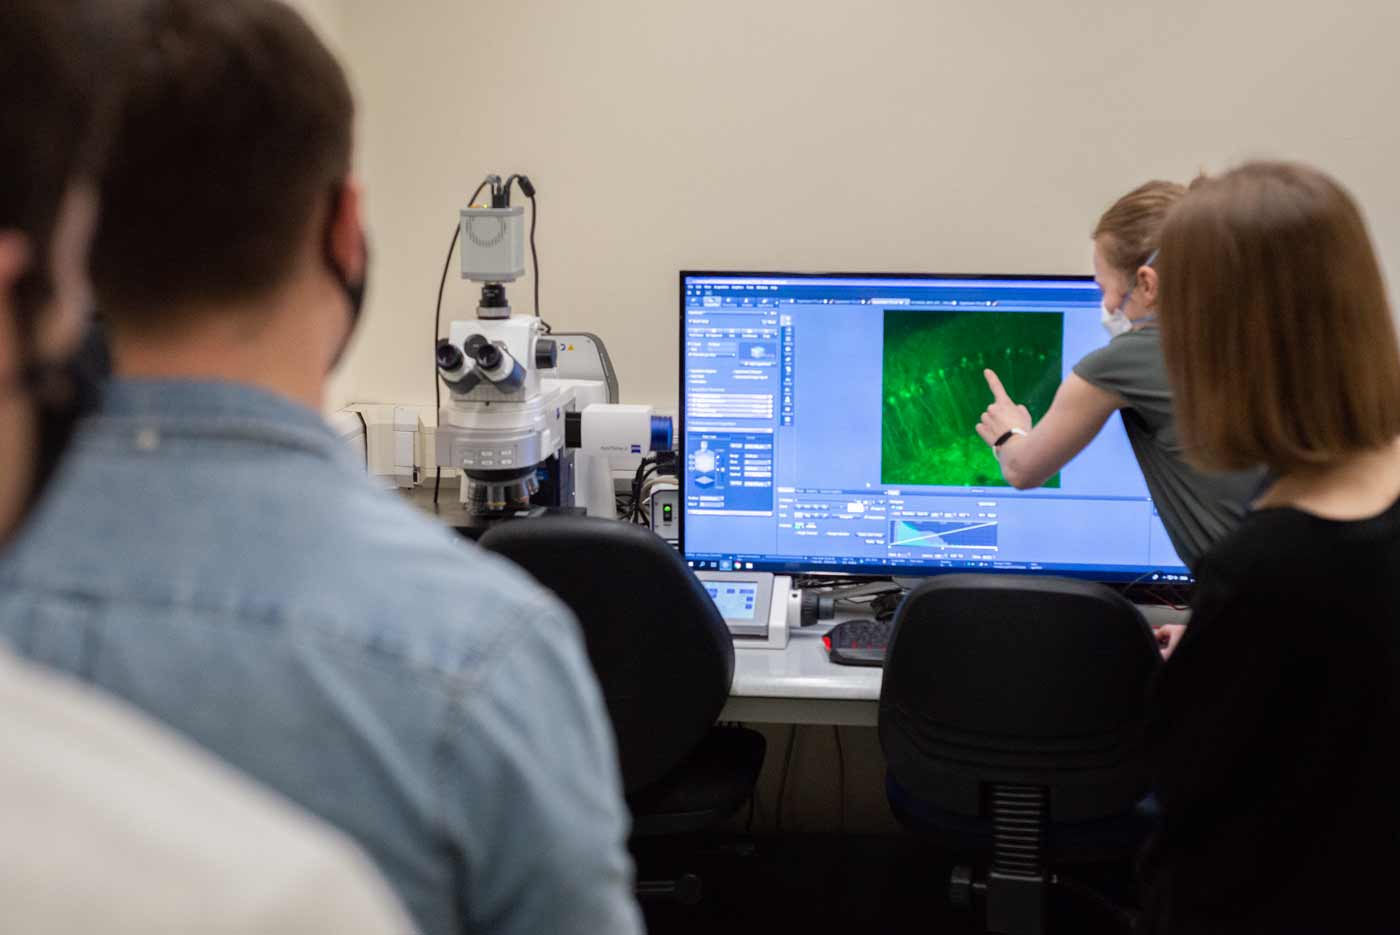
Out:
{"x": 1006, "y": 436}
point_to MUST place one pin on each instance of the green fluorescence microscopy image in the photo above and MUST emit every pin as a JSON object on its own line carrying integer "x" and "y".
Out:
{"x": 934, "y": 391}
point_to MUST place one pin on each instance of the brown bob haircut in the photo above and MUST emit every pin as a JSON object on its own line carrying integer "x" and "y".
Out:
{"x": 233, "y": 136}
{"x": 1131, "y": 229}
{"x": 1279, "y": 341}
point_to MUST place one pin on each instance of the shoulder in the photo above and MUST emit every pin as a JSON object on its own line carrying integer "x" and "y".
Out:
{"x": 404, "y": 579}
{"x": 1121, "y": 358}
{"x": 315, "y": 547}
{"x": 1270, "y": 556}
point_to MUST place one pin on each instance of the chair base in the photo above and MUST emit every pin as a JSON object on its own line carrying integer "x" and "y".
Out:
{"x": 1023, "y": 907}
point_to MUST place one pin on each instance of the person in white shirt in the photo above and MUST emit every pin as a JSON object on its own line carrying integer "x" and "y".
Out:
{"x": 114, "y": 825}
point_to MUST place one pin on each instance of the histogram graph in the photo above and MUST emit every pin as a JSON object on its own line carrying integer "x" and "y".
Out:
{"x": 943, "y": 534}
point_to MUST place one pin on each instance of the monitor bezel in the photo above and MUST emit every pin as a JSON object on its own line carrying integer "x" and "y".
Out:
{"x": 1102, "y": 575}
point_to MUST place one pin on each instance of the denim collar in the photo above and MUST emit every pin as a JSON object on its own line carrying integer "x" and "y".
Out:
{"x": 209, "y": 409}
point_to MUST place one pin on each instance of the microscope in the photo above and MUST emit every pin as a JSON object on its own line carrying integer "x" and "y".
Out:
{"x": 525, "y": 436}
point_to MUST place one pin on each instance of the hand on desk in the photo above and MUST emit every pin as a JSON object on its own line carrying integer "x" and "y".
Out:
{"x": 1168, "y": 635}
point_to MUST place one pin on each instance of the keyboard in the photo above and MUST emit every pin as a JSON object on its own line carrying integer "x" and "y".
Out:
{"x": 859, "y": 642}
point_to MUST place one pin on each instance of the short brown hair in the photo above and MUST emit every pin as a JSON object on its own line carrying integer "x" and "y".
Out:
{"x": 1278, "y": 337}
{"x": 236, "y": 127}
{"x": 1131, "y": 229}
{"x": 52, "y": 110}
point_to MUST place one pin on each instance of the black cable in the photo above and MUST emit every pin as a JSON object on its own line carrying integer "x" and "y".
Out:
{"x": 364, "y": 427}
{"x": 437, "y": 329}
{"x": 535, "y": 263}
{"x": 1167, "y": 599}
{"x": 644, "y": 469}
{"x": 783, "y": 779}
{"x": 646, "y": 475}
{"x": 437, "y": 315}
{"x": 1126, "y": 919}
{"x": 821, "y": 583}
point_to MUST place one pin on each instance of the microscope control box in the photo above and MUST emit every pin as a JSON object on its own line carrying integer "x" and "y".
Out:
{"x": 756, "y": 606}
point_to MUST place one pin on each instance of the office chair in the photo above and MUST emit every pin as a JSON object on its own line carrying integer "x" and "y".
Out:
{"x": 1011, "y": 717}
{"x": 665, "y": 661}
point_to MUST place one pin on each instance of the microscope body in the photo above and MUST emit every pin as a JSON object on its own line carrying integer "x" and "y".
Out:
{"x": 510, "y": 443}
{"x": 521, "y": 434}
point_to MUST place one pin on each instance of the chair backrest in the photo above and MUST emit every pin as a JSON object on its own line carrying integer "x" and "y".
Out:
{"x": 1036, "y": 681}
{"x": 662, "y": 653}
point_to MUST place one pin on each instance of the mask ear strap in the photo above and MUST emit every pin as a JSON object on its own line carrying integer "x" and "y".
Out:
{"x": 327, "y": 246}
{"x": 1149, "y": 263}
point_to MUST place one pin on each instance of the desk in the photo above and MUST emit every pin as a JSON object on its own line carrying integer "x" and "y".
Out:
{"x": 799, "y": 685}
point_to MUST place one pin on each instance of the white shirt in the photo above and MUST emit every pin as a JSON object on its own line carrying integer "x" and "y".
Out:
{"x": 110, "y": 823}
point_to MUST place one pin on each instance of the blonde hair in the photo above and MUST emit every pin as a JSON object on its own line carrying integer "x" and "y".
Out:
{"x": 1130, "y": 231}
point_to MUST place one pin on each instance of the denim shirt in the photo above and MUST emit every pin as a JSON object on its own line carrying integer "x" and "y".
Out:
{"x": 215, "y": 555}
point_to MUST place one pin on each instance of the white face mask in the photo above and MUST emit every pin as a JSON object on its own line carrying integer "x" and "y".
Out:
{"x": 1114, "y": 320}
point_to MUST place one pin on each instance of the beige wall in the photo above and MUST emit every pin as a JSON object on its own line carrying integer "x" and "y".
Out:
{"x": 938, "y": 135}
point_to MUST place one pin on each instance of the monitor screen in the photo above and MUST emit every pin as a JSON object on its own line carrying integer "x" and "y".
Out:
{"x": 827, "y": 426}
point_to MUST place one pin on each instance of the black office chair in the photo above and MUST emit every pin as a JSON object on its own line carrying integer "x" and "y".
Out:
{"x": 665, "y": 660}
{"x": 1011, "y": 718}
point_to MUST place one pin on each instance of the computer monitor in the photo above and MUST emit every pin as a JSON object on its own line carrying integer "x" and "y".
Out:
{"x": 827, "y": 425}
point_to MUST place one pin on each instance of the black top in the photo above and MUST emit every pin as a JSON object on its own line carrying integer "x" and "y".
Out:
{"x": 1273, "y": 734}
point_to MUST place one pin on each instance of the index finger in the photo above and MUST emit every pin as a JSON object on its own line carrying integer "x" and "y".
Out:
{"x": 998, "y": 390}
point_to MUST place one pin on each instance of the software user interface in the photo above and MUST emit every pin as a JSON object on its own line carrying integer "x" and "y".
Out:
{"x": 829, "y": 425}
{"x": 735, "y": 599}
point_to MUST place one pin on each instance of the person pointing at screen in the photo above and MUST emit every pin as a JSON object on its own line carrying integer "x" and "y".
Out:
{"x": 1127, "y": 375}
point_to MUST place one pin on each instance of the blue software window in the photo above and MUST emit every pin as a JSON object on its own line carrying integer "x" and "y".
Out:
{"x": 827, "y": 425}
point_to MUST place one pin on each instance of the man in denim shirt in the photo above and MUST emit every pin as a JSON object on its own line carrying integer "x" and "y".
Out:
{"x": 213, "y": 554}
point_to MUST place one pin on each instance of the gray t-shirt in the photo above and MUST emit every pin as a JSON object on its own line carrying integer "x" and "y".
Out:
{"x": 1197, "y": 508}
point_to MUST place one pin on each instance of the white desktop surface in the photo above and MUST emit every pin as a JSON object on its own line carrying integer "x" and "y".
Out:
{"x": 800, "y": 685}
{"x": 802, "y": 670}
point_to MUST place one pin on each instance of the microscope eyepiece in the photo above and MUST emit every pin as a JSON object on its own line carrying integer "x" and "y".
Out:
{"x": 448, "y": 356}
{"x": 488, "y": 356}
{"x": 456, "y": 370}
{"x": 495, "y": 363}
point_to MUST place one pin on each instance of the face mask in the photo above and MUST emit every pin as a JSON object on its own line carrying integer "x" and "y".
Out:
{"x": 1115, "y": 321}
{"x": 354, "y": 291}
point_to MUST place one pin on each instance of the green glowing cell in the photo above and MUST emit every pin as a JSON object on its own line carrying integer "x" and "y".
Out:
{"x": 927, "y": 425}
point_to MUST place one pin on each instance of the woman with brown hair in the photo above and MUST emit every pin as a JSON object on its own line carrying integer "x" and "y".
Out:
{"x": 1275, "y": 728}
{"x": 1127, "y": 375}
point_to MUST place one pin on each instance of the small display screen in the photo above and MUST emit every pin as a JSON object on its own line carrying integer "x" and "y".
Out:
{"x": 735, "y": 599}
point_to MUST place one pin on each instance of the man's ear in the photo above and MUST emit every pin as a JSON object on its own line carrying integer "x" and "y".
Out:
{"x": 14, "y": 260}
{"x": 347, "y": 244}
